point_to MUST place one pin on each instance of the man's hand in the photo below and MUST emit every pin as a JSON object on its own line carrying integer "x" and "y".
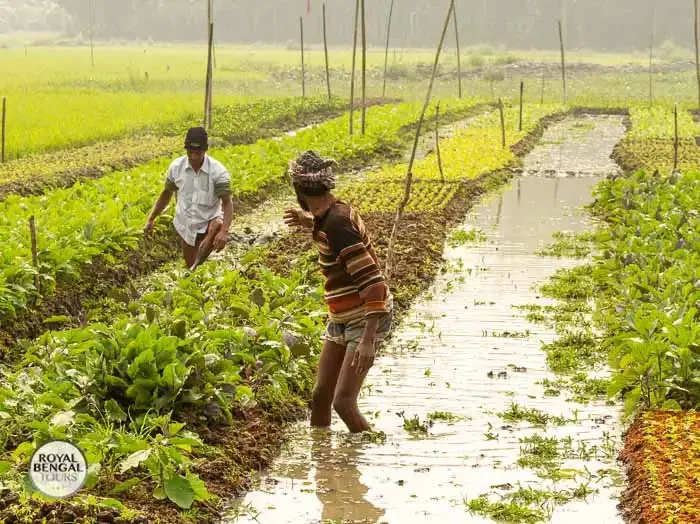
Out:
{"x": 220, "y": 240}
{"x": 363, "y": 359}
{"x": 148, "y": 229}
{"x": 298, "y": 218}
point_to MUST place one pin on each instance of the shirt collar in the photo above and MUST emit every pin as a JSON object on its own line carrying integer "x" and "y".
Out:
{"x": 206, "y": 166}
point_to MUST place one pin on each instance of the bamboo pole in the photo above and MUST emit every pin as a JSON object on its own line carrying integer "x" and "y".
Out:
{"x": 211, "y": 21}
{"x": 364, "y": 67}
{"x": 501, "y": 109}
{"x": 675, "y": 141}
{"x": 208, "y": 86}
{"x": 522, "y": 93}
{"x": 437, "y": 142}
{"x": 91, "y": 16}
{"x": 459, "y": 54}
{"x": 697, "y": 47}
{"x": 211, "y": 76}
{"x": 563, "y": 62}
{"x": 209, "y": 12}
{"x": 651, "y": 58}
{"x": 354, "y": 60}
{"x": 35, "y": 256}
{"x": 303, "y": 65}
{"x": 544, "y": 73}
{"x": 409, "y": 175}
{"x": 325, "y": 49}
{"x": 4, "y": 123}
{"x": 386, "y": 53}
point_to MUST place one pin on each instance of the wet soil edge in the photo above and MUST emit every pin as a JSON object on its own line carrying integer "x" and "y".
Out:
{"x": 636, "y": 502}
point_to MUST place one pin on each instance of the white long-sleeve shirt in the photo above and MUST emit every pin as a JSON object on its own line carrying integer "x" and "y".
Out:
{"x": 199, "y": 195}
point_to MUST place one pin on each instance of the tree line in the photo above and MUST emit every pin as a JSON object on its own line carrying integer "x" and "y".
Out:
{"x": 619, "y": 25}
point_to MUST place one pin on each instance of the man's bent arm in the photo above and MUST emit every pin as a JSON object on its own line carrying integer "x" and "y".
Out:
{"x": 227, "y": 206}
{"x": 161, "y": 204}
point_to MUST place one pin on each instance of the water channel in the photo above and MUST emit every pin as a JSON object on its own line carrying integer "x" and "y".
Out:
{"x": 451, "y": 355}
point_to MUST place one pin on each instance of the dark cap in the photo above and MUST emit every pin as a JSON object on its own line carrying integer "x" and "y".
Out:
{"x": 197, "y": 138}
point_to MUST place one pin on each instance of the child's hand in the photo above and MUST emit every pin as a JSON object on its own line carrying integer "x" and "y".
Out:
{"x": 298, "y": 218}
{"x": 363, "y": 359}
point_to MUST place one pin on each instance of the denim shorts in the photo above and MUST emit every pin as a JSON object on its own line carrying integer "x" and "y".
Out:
{"x": 350, "y": 336}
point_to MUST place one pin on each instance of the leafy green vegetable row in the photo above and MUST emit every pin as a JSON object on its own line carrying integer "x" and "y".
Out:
{"x": 104, "y": 217}
{"x": 189, "y": 350}
{"x": 649, "y": 278}
{"x": 658, "y": 122}
{"x": 469, "y": 153}
{"x": 241, "y": 123}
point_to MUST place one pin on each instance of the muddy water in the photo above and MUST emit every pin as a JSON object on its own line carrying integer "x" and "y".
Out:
{"x": 579, "y": 146}
{"x": 442, "y": 358}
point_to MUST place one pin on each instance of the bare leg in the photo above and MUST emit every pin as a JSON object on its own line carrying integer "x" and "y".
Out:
{"x": 347, "y": 391}
{"x": 207, "y": 245}
{"x": 190, "y": 254}
{"x": 328, "y": 370}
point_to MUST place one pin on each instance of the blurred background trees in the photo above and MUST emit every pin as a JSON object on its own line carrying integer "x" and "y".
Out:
{"x": 619, "y": 25}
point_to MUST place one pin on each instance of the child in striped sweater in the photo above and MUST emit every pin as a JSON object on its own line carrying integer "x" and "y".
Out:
{"x": 358, "y": 298}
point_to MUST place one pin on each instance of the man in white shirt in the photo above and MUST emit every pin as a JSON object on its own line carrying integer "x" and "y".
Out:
{"x": 204, "y": 206}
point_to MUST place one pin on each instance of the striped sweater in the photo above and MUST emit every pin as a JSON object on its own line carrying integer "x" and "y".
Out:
{"x": 355, "y": 287}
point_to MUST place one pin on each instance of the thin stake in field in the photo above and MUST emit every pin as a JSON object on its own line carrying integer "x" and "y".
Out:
{"x": 91, "y": 17}
{"x": 501, "y": 110}
{"x": 522, "y": 93}
{"x": 459, "y": 54}
{"x": 437, "y": 141}
{"x": 651, "y": 57}
{"x": 210, "y": 20}
{"x": 675, "y": 141}
{"x": 386, "y": 53}
{"x": 303, "y": 65}
{"x": 544, "y": 73}
{"x": 35, "y": 256}
{"x": 209, "y": 79}
{"x": 325, "y": 49}
{"x": 409, "y": 175}
{"x": 211, "y": 75}
{"x": 364, "y": 67}
{"x": 354, "y": 60}
{"x": 697, "y": 46}
{"x": 4, "y": 122}
{"x": 563, "y": 61}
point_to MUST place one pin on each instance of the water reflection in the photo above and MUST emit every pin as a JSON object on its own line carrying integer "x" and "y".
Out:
{"x": 338, "y": 480}
{"x": 500, "y": 209}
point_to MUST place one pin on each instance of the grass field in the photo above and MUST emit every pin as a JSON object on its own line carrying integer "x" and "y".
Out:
{"x": 56, "y": 99}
